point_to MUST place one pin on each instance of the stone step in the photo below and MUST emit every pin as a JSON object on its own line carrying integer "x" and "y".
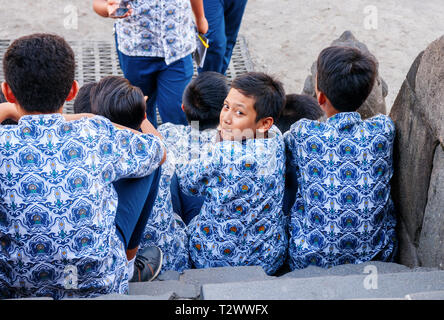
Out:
{"x": 352, "y": 269}
{"x": 189, "y": 283}
{"x": 430, "y": 295}
{"x": 384, "y": 286}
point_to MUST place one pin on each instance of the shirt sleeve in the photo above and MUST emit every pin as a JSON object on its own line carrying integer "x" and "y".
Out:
{"x": 134, "y": 155}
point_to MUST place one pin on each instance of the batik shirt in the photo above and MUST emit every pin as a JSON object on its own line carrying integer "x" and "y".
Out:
{"x": 343, "y": 211}
{"x": 165, "y": 228}
{"x": 157, "y": 28}
{"x": 241, "y": 221}
{"x": 58, "y": 204}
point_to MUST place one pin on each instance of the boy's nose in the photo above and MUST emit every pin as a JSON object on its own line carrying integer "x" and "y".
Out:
{"x": 227, "y": 118}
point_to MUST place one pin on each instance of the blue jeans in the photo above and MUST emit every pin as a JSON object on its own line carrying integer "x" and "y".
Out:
{"x": 224, "y": 19}
{"x": 163, "y": 84}
{"x": 136, "y": 198}
{"x": 187, "y": 207}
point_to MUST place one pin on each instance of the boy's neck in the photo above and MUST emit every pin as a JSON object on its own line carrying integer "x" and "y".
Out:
{"x": 22, "y": 112}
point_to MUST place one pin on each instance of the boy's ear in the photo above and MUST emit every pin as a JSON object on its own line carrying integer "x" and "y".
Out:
{"x": 265, "y": 124}
{"x": 73, "y": 92}
{"x": 7, "y": 92}
{"x": 322, "y": 99}
{"x": 183, "y": 107}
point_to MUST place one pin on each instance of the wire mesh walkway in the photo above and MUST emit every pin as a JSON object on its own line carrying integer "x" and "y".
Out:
{"x": 97, "y": 59}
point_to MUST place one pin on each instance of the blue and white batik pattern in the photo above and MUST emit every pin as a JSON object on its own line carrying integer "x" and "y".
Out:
{"x": 58, "y": 204}
{"x": 157, "y": 28}
{"x": 343, "y": 211}
{"x": 241, "y": 221}
{"x": 165, "y": 228}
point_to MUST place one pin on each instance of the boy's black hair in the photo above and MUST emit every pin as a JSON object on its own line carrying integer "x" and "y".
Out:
{"x": 298, "y": 106}
{"x": 82, "y": 103}
{"x": 40, "y": 70}
{"x": 116, "y": 99}
{"x": 204, "y": 98}
{"x": 268, "y": 93}
{"x": 346, "y": 76}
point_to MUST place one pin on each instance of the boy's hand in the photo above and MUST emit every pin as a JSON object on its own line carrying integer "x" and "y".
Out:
{"x": 113, "y": 5}
{"x": 202, "y": 25}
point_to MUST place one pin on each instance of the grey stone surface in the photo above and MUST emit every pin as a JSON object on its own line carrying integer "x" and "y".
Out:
{"x": 431, "y": 242}
{"x": 180, "y": 289}
{"x": 224, "y": 274}
{"x": 375, "y": 103}
{"x": 190, "y": 282}
{"x": 166, "y": 296}
{"x": 388, "y": 286}
{"x": 431, "y": 295}
{"x": 418, "y": 113}
{"x": 347, "y": 269}
{"x": 168, "y": 275}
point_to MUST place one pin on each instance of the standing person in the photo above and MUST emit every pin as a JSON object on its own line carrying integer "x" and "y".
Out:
{"x": 155, "y": 40}
{"x": 224, "y": 20}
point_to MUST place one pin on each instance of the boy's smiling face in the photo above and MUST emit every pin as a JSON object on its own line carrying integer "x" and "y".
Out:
{"x": 238, "y": 117}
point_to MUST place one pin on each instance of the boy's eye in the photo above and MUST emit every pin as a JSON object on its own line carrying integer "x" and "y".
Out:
{"x": 239, "y": 113}
{"x": 226, "y": 106}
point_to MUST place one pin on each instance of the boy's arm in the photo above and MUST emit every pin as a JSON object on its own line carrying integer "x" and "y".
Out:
{"x": 199, "y": 14}
{"x": 105, "y": 7}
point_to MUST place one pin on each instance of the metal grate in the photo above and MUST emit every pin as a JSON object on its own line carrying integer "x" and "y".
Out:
{"x": 97, "y": 59}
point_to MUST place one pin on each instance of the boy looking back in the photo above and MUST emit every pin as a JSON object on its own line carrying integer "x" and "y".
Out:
{"x": 242, "y": 180}
{"x": 58, "y": 205}
{"x": 343, "y": 211}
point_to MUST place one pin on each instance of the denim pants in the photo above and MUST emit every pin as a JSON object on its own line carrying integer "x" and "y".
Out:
{"x": 163, "y": 84}
{"x": 224, "y": 19}
{"x": 187, "y": 207}
{"x": 136, "y": 198}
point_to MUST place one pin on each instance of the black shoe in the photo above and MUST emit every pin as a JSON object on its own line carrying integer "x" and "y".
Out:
{"x": 147, "y": 264}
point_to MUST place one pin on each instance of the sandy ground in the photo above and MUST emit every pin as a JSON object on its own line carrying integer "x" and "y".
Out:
{"x": 284, "y": 36}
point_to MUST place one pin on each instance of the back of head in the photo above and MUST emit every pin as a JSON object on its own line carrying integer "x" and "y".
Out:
{"x": 116, "y": 99}
{"x": 268, "y": 93}
{"x": 298, "y": 106}
{"x": 40, "y": 70}
{"x": 82, "y": 103}
{"x": 204, "y": 97}
{"x": 346, "y": 76}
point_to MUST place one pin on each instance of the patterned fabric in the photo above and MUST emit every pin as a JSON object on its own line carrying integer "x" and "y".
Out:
{"x": 58, "y": 205}
{"x": 241, "y": 221}
{"x": 343, "y": 211}
{"x": 157, "y": 28}
{"x": 165, "y": 228}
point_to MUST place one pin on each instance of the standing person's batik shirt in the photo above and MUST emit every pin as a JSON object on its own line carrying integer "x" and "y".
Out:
{"x": 241, "y": 221}
{"x": 58, "y": 204}
{"x": 343, "y": 211}
{"x": 157, "y": 28}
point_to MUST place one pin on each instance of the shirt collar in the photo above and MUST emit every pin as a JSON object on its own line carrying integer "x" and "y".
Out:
{"x": 42, "y": 119}
{"x": 341, "y": 117}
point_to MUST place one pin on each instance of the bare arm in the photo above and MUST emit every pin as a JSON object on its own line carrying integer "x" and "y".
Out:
{"x": 199, "y": 14}
{"x": 105, "y": 7}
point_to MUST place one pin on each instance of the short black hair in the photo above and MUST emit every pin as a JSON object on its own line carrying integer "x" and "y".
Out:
{"x": 82, "y": 102}
{"x": 204, "y": 98}
{"x": 267, "y": 92}
{"x": 346, "y": 76}
{"x": 298, "y": 106}
{"x": 40, "y": 70}
{"x": 116, "y": 99}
